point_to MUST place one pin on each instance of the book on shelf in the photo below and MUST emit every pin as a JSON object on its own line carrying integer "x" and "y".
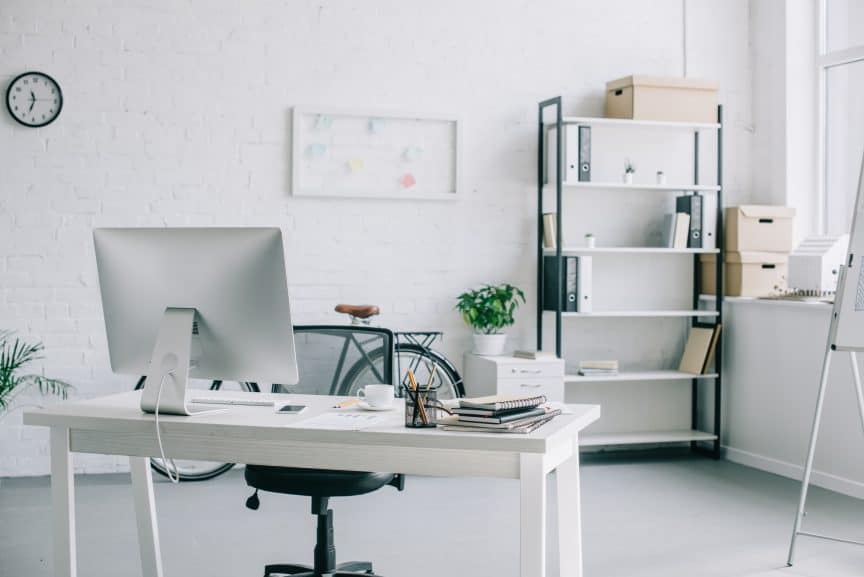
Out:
{"x": 502, "y": 402}
{"x": 692, "y": 205}
{"x": 699, "y": 349}
{"x": 509, "y": 417}
{"x": 575, "y": 287}
{"x": 532, "y": 425}
{"x": 676, "y": 230}
{"x": 550, "y": 230}
{"x": 534, "y": 355}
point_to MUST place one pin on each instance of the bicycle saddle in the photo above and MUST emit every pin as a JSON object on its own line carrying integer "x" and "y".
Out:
{"x": 359, "y": 311}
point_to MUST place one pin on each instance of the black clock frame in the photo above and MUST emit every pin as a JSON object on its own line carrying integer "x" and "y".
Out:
{"x": 9, "y": 100}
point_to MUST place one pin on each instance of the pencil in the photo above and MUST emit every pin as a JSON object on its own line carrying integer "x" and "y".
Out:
{"x": 416, "y": 390}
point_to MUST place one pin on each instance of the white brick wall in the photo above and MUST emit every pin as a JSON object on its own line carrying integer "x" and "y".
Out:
{"x": 177, "y": 114}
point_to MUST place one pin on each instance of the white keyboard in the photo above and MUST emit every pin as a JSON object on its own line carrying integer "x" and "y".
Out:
{"x": 232, "y": 401}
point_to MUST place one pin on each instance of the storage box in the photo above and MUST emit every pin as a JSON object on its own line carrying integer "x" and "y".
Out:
{"x": 659, "y": 98}
{"x": 746, "y": 274}
{"x": 757, "y": 228}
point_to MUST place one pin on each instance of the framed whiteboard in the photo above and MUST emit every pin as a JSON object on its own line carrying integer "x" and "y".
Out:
{"x": 374, "y": 154}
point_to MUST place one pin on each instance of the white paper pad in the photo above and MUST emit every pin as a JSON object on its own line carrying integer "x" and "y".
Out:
{"x": 348, "y": 421}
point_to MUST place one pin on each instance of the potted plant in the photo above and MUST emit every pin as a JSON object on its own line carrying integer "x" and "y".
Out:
{"x": 14, "y": 355}
{"x": 629, "y": 171}
{"x": 488, "y": 310}
{"x": 590, "y": 240}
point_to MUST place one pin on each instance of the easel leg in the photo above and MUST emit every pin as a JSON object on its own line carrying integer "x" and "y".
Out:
{"x": 808, "y": 468}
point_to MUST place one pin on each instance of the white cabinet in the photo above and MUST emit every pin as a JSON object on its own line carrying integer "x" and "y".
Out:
{"x": 507, "y": 375}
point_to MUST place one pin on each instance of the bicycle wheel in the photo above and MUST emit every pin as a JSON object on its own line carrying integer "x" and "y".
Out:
{"x": 410, "y": 356}
{"x": 200, "y": 470}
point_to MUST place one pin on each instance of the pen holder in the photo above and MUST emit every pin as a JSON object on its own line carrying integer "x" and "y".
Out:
{"x": 421, "y": 407}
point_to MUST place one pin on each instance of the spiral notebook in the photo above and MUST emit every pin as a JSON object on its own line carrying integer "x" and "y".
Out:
{"x": 502, "y": 402}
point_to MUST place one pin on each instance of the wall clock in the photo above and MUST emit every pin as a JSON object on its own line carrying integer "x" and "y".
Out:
{"x": 34, "y": 99}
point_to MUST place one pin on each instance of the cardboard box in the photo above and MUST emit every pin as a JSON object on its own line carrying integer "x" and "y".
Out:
{"x": 660, "y": 98}
{"x": 746, "y": 274}
{"x": 757, "y": 228}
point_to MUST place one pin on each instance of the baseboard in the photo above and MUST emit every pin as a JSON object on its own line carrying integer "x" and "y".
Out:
{"x": 784, "y": 469}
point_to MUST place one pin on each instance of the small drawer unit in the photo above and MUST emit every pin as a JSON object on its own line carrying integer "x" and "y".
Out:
{"x": 507, "y": 375}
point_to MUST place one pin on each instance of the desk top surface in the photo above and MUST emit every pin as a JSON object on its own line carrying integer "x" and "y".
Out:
{"x": 121, "y": 413}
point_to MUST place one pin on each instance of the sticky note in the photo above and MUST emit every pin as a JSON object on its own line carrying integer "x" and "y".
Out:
{"x": 376, "y": 125}
{"x": 407, "y": 180}
{"x": 316, "y": 150}
{"x": 412, "y": 153}
{"x": 356, "y": 164}
{"x": 323, "y": 122}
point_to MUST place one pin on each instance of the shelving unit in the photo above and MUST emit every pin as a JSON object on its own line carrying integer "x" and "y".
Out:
{"x": 696, "y": 437}
{"x": 577, "y": 250}
{"x": 657, "y": 314}
{"x": 657, "y": 187}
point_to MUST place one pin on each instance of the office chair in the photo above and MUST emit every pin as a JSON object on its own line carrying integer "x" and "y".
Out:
{"x": 330, "y": 359}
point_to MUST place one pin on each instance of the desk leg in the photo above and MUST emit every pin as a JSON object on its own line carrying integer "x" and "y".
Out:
{"x": 63, "y": 504}
{"x": 145, "y": 511}
{"x": 569, "y": 516}
{"x": 532, "y": 541}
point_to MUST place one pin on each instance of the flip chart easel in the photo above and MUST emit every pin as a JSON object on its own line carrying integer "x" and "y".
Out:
{"x": 846, "y": 333}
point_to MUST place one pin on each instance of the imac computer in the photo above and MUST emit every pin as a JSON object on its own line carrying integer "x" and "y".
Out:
{"x": 183, "y": 303}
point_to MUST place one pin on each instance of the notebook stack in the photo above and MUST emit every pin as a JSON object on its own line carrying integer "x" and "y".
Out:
{"x": 598, "y": 368}
{"x": 501, "y": 414}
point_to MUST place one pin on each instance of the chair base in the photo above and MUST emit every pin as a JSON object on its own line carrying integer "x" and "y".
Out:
{"x": 349, "y": 569}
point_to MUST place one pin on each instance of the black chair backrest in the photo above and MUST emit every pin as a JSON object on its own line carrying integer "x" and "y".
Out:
{"x": 340, "y": 359}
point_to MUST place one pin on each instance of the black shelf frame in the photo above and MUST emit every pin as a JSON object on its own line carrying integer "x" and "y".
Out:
{"x": 714, "y": 449}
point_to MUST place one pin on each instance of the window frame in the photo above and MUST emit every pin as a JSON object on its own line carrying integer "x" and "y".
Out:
{"x": 825, "y": 61}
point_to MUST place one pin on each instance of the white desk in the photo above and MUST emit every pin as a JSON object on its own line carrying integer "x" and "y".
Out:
{"x": 115, "y": 425}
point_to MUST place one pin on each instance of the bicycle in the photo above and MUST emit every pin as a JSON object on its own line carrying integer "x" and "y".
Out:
{"x": 413, "y": 350}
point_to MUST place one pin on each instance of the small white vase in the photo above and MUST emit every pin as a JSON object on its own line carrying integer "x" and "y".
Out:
{"x": 628, "y": 178}
{"x": 590, "y": 241}
{"x": 489, "y": 345}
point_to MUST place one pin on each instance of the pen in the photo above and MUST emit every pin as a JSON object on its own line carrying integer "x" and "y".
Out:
{"x": 419, "y": 404}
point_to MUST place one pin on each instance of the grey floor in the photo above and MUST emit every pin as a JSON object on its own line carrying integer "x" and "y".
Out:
{"x": 643, "y": 517}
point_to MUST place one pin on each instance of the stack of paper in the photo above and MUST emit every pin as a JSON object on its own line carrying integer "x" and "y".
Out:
{"x": 598, "y": 368}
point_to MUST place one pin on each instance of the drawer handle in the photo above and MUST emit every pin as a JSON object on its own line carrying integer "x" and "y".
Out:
{"x": 528, "y": 371}
{"x": 529, "y": 386}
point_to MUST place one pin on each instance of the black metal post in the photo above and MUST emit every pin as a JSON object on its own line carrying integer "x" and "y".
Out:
{"x": 541, "y": 157}
{"x": 718, "y": 353}
{"x": 697, "y": 277}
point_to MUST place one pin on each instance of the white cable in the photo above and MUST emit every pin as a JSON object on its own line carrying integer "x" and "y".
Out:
{"x": 169, "y": 463}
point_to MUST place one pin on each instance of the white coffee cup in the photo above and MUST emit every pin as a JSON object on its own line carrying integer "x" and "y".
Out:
{"x": 377, "y": 396}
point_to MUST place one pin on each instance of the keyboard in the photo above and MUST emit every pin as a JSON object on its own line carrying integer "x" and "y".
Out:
{"x": 232, "y": 401}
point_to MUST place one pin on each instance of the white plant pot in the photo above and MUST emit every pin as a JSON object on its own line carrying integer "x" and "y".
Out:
{"x": 628, "y": 178}
{"x": 489, "y": 345}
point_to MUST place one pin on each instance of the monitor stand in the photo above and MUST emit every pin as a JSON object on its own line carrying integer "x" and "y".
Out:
{"x": 170, "y": 360}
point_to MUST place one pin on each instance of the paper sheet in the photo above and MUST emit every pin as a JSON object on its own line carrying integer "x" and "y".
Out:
{"x": 348, "y": 421}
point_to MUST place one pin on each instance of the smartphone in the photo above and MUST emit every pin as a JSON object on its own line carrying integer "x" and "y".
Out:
{"x": 291, "y": 409}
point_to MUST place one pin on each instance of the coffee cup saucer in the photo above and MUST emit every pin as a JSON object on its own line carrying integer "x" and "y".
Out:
{"x": 367, "y": 407}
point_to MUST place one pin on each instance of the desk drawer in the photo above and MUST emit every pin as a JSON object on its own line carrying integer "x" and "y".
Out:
{"x": 530, "y": 370}
{"x": 552, "y": 387}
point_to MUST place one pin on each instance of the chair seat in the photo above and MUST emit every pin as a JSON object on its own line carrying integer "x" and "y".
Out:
{"x": 314, "y": 482}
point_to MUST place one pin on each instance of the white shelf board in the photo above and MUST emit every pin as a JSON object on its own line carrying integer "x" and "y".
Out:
{"x": 624, "y": 376}
{"x": 639, "y": 186}
{"x": 644, "y": 438}
{"x": 637, "y": 313}
{"x": 599, "y": 121}
{"x": 571, "y": 250}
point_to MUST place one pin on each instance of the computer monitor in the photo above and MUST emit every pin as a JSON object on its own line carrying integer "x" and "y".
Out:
{"x": 184, "y": 303}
